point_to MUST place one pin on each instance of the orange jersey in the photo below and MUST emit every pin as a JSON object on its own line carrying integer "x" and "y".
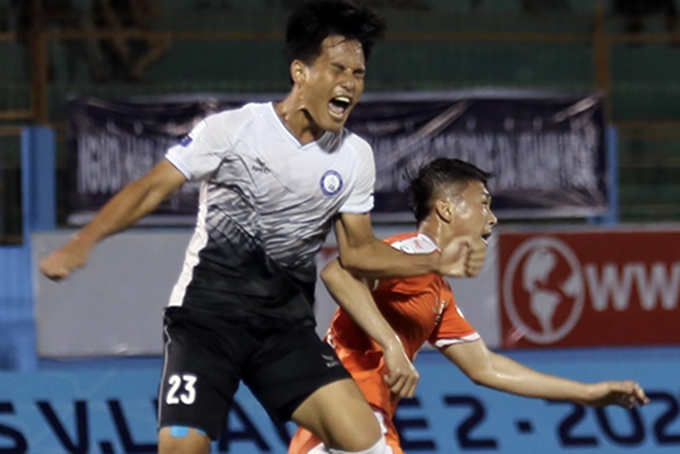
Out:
{"x": 419, "y": 309}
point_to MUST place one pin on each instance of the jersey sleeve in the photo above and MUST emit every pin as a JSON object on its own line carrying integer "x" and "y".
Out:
{"x": 361, "y": 198}
{"x": 453, "y": 328}
{"x": 202, "y": 151}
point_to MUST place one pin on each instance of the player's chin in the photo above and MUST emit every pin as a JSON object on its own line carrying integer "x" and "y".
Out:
{"x": 334, "y": 124}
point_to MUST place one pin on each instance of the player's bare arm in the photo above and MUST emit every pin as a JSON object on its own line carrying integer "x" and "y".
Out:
{"x": 355, "y": 298}
{"x": 490, "y": 369}
{"x": 364, "y": 255}
{"x": 133, "y": 202}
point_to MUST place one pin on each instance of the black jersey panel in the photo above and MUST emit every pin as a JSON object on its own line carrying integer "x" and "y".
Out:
{"x": 236, "y": 278}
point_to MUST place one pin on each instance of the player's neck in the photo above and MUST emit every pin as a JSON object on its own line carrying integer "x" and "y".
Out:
{"x": 294, "y": 116}
{"x": 432, "y": 229}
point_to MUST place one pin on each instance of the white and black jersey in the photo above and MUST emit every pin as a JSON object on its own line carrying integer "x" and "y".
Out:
{"x": 266, "y": 204}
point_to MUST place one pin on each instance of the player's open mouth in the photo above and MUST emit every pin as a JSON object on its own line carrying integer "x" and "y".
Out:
{"x": 486, "y": 237}
{"x": 337, "y": 107}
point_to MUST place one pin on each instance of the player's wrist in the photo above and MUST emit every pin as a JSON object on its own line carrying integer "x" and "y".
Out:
{"x": 392, "y": 344}
{"x": 83, "y": 240}
{"x": 589, "y": 393}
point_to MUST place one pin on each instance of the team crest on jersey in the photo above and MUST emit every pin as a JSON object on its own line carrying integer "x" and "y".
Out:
{"x": 331, "y": 182}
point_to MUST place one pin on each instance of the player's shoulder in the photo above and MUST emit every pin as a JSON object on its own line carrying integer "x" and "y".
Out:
{"x": 396, "y": 241}
{"x": 233, "y": 119}
{"x": 355, "y": 138}
{"x": 355, "y": 142}
{"x": 240, "y": 115}
{"x": 412, "y": 243}
{"x": 221, "y": 128}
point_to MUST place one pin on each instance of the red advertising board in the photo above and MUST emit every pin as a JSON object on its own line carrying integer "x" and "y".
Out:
{"x": 590, "y": 288}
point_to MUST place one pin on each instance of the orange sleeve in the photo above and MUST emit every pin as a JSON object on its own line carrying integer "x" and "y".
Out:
{"x": 453, "y": 327}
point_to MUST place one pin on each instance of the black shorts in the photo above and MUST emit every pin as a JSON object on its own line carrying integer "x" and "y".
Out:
{"x": 206, "y": 357}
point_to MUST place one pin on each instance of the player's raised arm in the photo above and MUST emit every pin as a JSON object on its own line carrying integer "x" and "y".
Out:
{"x": 363, "y": 254}
{"x": 355, "y": 298}
{"x": 133, "y": 202}
{"x": 496, "y": 371}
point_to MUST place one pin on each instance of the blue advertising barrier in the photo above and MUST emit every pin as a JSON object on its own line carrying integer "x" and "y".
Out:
{"x": 17, "y": 334}
{"x": 111, "y": 409}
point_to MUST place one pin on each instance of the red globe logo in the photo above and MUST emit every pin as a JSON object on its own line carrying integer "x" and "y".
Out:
{"x": 543, "y": 290}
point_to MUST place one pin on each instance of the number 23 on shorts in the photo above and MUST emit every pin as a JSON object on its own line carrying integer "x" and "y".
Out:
{"x": 182, "y": 389}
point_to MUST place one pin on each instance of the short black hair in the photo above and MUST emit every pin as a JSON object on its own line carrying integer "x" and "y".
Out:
{"x": 315, "y": 20}
{"x": 435, "y": 174}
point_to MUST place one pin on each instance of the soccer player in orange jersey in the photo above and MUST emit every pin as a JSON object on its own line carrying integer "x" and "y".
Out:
{"x": 451, "y": 201}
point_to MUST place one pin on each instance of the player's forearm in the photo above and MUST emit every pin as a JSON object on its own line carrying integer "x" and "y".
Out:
{"x": 509, "y": 376}
{"x": 133, "y": 202}
{"x": 356, "y": 299}
{"x": 378, "y": 260}
{"x": 128, "y": 206}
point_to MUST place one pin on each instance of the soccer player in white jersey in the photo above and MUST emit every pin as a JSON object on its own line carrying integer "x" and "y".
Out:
{"x": 275, "y": 178}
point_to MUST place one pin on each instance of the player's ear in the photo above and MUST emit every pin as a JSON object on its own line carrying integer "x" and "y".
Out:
{"x": 444, "y": 209}
{"x": 298, "y": 72}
